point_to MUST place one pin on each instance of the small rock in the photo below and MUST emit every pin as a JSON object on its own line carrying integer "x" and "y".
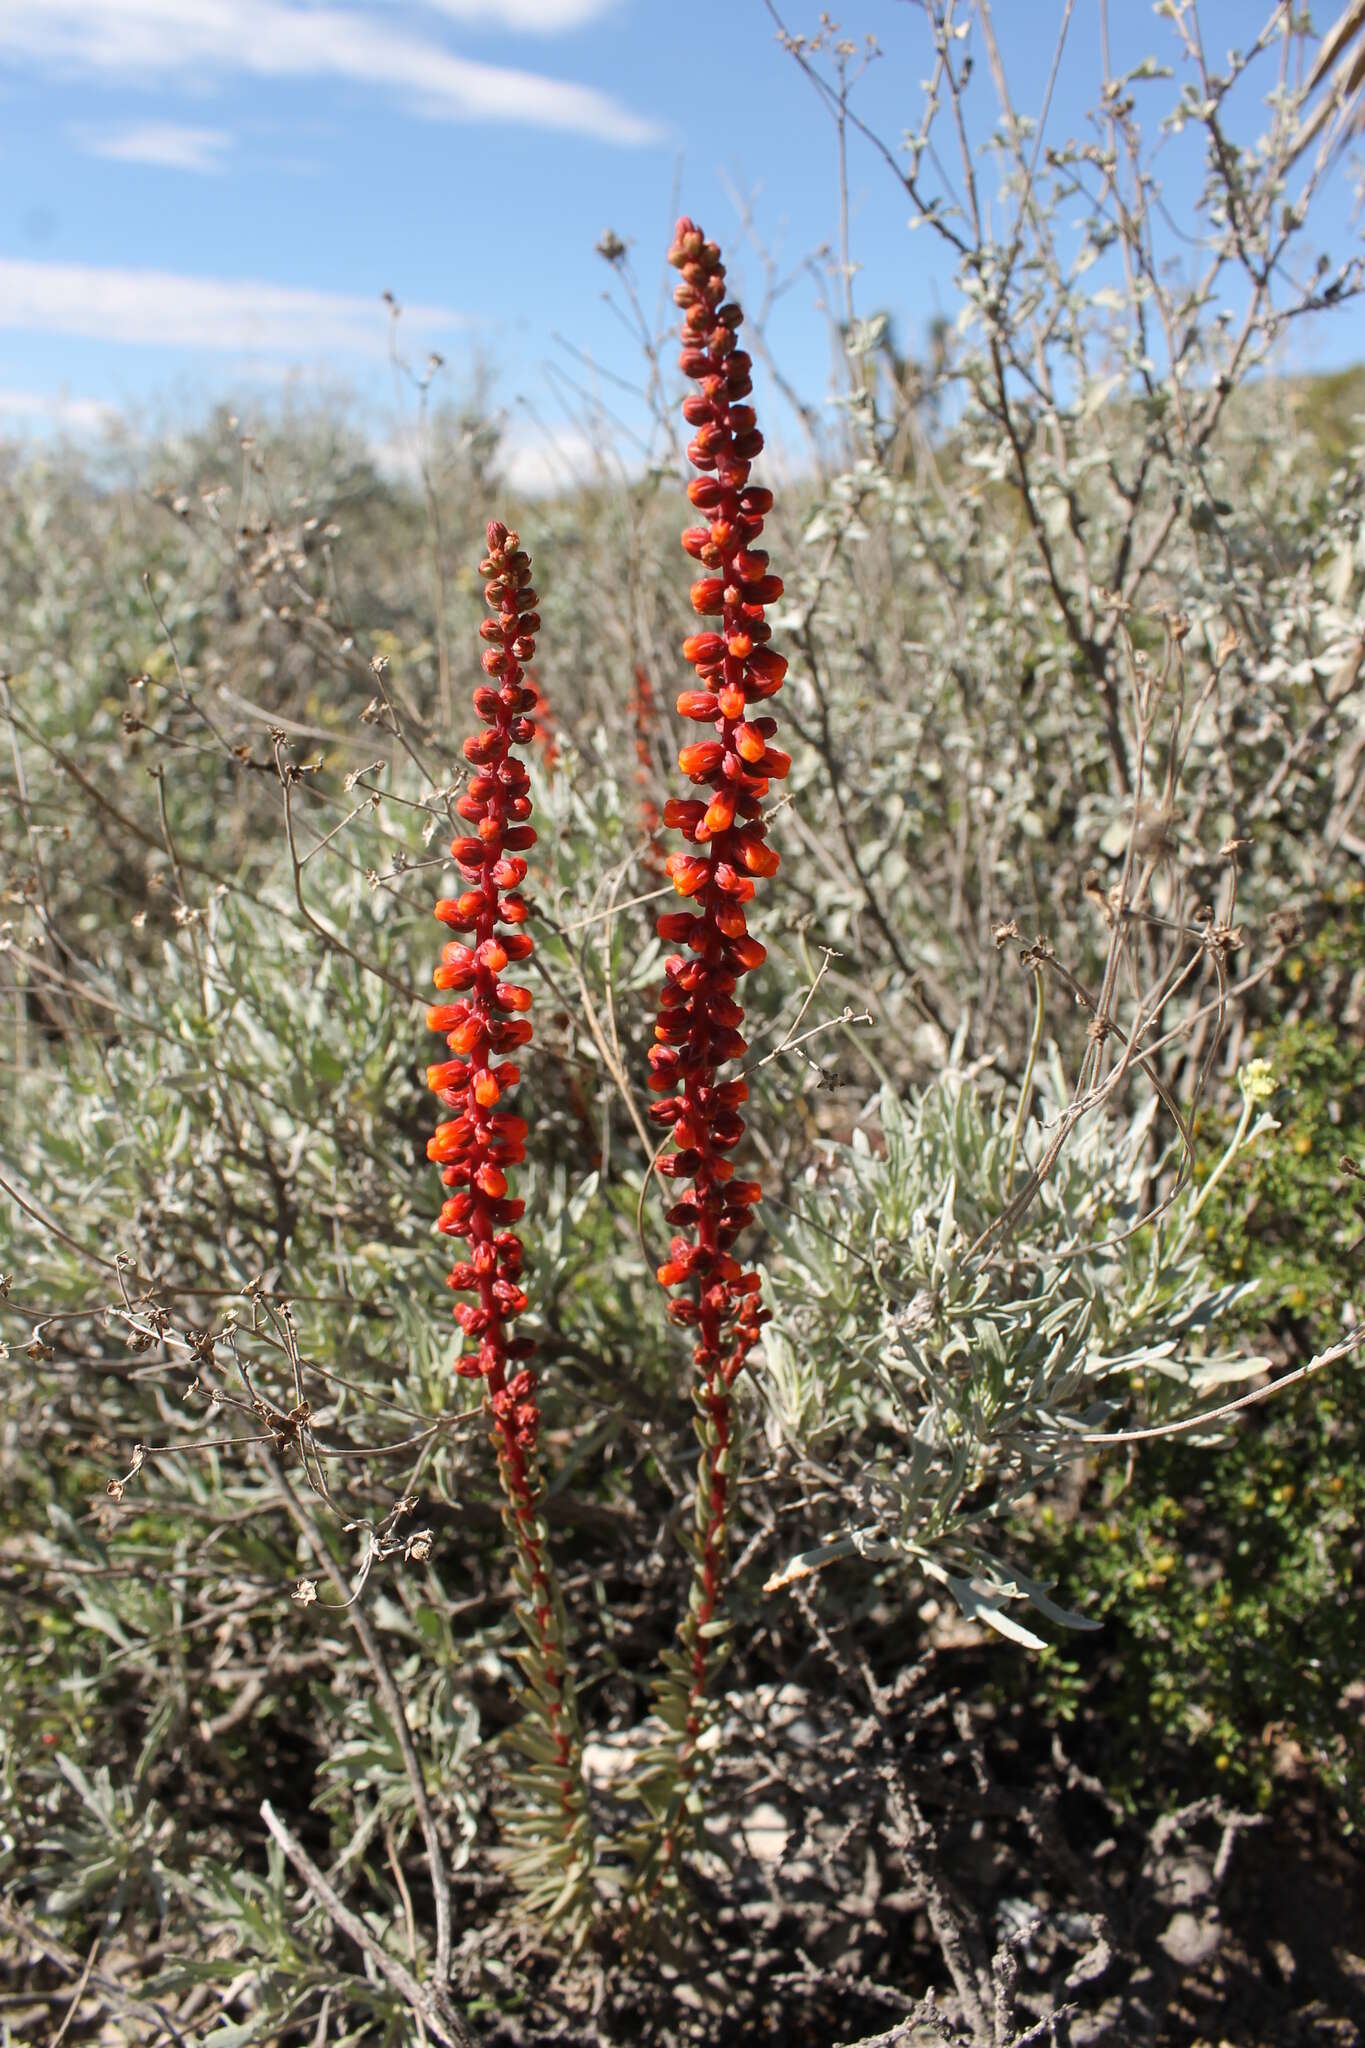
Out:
{"x": 765, "y": 1833}
{"x": 1191, "y": 1938}
{"x": 1183, "y": 1880}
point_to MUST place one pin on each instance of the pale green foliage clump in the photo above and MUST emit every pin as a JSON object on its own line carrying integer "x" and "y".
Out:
{"x": 948, "y": 1384}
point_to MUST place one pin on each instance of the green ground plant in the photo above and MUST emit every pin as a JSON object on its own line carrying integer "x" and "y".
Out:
{"x": 1228, "y": 1579}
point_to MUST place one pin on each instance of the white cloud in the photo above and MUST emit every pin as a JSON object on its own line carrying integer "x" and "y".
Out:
{"x": 201, "y": 41}
{"x": 398, "y": 457}
{"x": 532, "y": 460}
{"x": 539, "y": 460}
{"x": 539, "y": 17}
{"x": 165, "y": 144}
{"x": 59, "y": 409}
{"x": 236, "y": 314}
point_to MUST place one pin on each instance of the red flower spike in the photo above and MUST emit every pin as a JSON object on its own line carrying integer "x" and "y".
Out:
{"x": 478, "y": 1144}
{"x": 699, "y": 1014}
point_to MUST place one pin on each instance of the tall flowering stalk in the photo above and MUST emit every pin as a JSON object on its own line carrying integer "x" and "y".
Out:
{"x": 486, "y": 1019}
{"x": 698, "y": 1031}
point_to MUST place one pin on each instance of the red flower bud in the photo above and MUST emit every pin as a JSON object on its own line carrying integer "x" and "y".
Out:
{"x": 702, "y": 759}
{"x": 745, "y": 953}
{"x": 765, "y": 664}
{"x": 720, "y": 812}
{"x": 687, "y": 874}
{"x": 683, "y": 814}
{"x": 757, "y": 858}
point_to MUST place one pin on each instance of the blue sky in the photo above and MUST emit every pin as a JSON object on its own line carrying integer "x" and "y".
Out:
{"x": 204, "y": 199}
